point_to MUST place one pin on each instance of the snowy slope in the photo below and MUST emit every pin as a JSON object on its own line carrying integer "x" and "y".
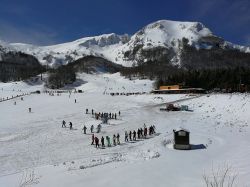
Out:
{"x": 67, "y": 52}
{"x": 36, "y": 151}
{"x": 126, "y": 50}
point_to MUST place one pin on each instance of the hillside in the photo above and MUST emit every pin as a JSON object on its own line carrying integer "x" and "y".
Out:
{"x": 159, "y": 41}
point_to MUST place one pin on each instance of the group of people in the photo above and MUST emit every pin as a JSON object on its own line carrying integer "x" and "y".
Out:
{"x": 102, "y": 115}
{"x": 13, "y": 97}
{"x": 64, "y": 125}
{"x": 127, "y": 94}
{"x": 141, "y": 133}
{"x": 98, "y": 128}
{"x": 115, "y": 140}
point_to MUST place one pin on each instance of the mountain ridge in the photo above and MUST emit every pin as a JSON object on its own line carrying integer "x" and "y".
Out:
{"x": 160, "y": 40}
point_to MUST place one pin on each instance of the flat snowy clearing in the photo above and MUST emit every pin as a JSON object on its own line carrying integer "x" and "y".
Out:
{"x": 36, "y": 151}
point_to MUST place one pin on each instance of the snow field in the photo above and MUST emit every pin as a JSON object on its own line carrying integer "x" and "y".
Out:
{"x": 35, "y": 142}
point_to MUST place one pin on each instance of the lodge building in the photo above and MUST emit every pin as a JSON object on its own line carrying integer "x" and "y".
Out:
{"x": 177, "y": 89}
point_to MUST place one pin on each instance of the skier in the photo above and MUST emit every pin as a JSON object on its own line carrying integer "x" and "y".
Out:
{"x": 96, "y": 142}
{"x": 126, "y": 136}
{"x": 63, "y": 124}
{"x": 91, "y": 128}
{"x": 115, "y": 115}
{"x": 119, "y": 113}
{"x": 92, "y": 112}
{"x": 145, "y": 132}
{"x": 102, "y": 141}
{"x": 130, "y": 135}
{"x": 70, "y": 125}
{"x": 99, "y": 128}
{"x": 139, "y": 133}
{"x": 84, "y": 129}
{"x": 108, "y": 140}
{"x": 114, "y": 140}
{"x": 29, "y": 110}
{"x": 134, "y": 135}
{"x": 153, "y": 129}
{"x": 93, "y": 139}
{"x": 87, "y": 111}
{"x": 75, "y": 100}
{"x": 118, "y": 138}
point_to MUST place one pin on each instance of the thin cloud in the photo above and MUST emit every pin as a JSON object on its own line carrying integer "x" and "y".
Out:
{"x": 37, "y": 35}
{"x": 233, "y": 13}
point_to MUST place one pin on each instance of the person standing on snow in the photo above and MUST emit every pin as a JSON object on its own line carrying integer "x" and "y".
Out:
{"x": 99, "y": 128}
{"x": 102, "y": 141}
{"x": 118, "y": 139}
{"x": 108, "y": 141}
{"x": 139, "y": 133}
{"x": 130, "y": 135}
{"x": 96, "y": 142}
{"x": 134, "y": 135}
{"x": 114, "y": 140}
{"x": 63, "y": 124}
{"x": 70, "y": 126}
{"x": 153, "y": 129}
{"x": 93, "y": 139}
{"x": 126, "y": 136}
{"x": 84, "y": 129}
{"x": 145, "y": 132}
{"x": 91, "y": 128}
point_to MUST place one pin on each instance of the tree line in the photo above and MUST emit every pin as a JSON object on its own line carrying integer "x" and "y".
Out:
{"x": 17, "y": 66}
{"x": 227, "y": 79}
{"x": 66, "y": 74}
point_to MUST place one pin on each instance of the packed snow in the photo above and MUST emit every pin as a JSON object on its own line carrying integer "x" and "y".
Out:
{"x": 36, "y": 151}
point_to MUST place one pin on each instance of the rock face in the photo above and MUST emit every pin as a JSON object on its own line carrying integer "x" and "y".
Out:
{"x": 179, "y": 44}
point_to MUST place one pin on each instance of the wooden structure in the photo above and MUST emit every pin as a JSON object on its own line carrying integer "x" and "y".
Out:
{"x": 170, "y": 87}
{"x": 179, "y": 91}
{"x": 181, "y": 139}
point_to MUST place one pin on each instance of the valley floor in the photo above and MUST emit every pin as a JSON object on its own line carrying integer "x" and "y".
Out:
{"x": 36, "y": 151}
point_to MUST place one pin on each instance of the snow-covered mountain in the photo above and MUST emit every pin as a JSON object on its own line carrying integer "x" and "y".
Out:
{"x": 159, "y": 40}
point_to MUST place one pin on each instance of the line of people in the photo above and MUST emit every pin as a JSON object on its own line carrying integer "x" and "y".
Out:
{"x": 98, "y": 128}
{"x": 141, "y": 133}
{"x": 101, "y": 115}
{"x": 116, "y": 141}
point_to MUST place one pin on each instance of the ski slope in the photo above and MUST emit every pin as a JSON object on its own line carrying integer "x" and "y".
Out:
{"x": 36, "y": 151}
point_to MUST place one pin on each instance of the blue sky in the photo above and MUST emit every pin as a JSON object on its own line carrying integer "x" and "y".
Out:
{"x": 45, "y": 22}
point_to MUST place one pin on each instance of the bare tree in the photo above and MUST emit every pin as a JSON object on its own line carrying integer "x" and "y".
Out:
{"x": 28, "y": 178}
{"x": 221, "y": 177}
